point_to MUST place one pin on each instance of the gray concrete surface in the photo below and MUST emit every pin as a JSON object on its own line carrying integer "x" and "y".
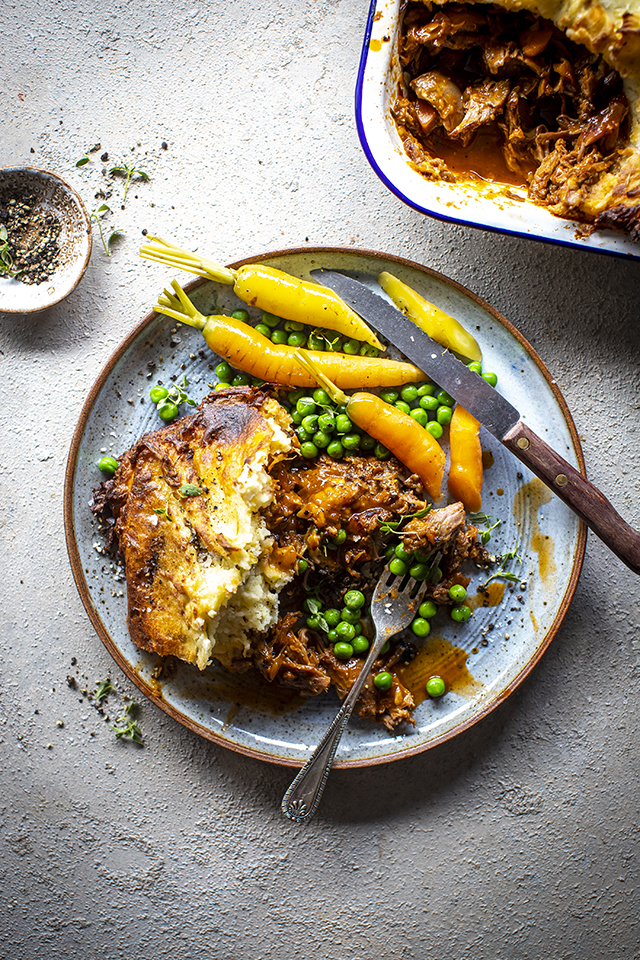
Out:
{"x": 516, "y": 841}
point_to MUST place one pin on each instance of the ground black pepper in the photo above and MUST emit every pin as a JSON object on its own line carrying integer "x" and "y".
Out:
{"x": 32, "y": 239}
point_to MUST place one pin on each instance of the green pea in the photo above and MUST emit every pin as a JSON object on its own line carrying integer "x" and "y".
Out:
{"x": 351, "y": 346}
{"x": 409, "y": 393}
{"x": 420, "y": 416}
{"x": 427, "y": 609}
{"x": 351, "y": 441}
{"x": 381, "y": 452}
{"x": 354, "y": 599}
{"x": 108, "y": 465}
{"x": 305, "y": 406}
{"x": 419, "y": 571}
{"x": 401, "y": 405}
{"x": 297, "y": 417}
{"x": 398, "y": 567}
{"x": 435, "y": 687}
{"x": 343, "y": 651}
{"x": 321, "y": 439}
{"x": 313, "y": 621}
{"x": 339, "y": 538}
{"x": 333, "y": 341}
{"x": 460, "y": 613}
{"x": 270, "y": 320}
{"x": 257, "y": 382}
{"x": 263, "y": 329}
{"x": 315, "y": 342}
{"x": 297, "y": 339}
{"x": 344, "y": 424}
{"x": 240, "y": 380}
{"x": 389, "y": 396}
{"x": 309, "y": 450}
{"x": 303, "y": 565}
{"x": 367, "y": 442}
{"x": 326, "y": 422}
{"x": 383, "y": 681}
{"x": 426, "y": 389}
{"x": 303, "y": 435}
{"x": 159, "y": 393}
{"x": 240, "y": 314}
{"x": 292, "y": 326}
{"x": 445, "y": 398}
{"x": 223, "y": 373}
{"x": 366, "y": 350}
{"x": 385, "y": 648}
{"x": 458, "y": 593}
{"x": 435, "y": 429}
{"x": 346, "y": 631}
{"x": 360, "y": 644}
{"x": 350, "y": 616}
{"x": 279, "y": 336}
{"x": 335, "y": 450}
{"x": 491, "y": 378}
{"x": 421, "y": 627}
{"x": 443, "y": 415}
{"x": 221, "y": 386}
{"x": 429, "y": 403}
{"x": 321, "y": 397}
{"x": 310, "y": 423}
{"x": 475, "y": 367}
{"x": 332, "y": 616}
{"x": 436, "y": 575}
{"x": 403, "y": 554}
{"x": 167, "y": 411}
{"x": 389, "y": 553}
{"x": 332, "y": 636}
{"x": 294, "y": 395}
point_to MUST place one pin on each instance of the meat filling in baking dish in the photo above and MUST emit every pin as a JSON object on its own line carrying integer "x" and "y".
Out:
{"x": 506, "y": 96}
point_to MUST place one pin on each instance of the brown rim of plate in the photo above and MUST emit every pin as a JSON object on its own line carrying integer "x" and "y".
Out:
{"x": 192, "y": 725}
{"x": 83, "y": 210}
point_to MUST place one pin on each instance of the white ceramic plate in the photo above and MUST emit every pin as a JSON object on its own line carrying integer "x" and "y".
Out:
{"x": 474, "y": 206}
{"x": 251, "y": 717}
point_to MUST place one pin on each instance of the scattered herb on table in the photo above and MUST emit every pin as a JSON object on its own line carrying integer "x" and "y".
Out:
{"x": 128, "y": 726}
{"x": 103, "y": 689}
{"x": 128, "y": 171}
{"x": 502, "y": 572}
{"x": 97, "y": 216}
{"x": 478, "y": 518}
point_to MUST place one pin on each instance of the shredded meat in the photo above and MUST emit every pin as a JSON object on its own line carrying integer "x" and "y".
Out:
{"x": 556, "y": 112}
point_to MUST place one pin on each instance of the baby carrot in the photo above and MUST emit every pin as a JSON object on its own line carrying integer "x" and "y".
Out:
{"x": 465, "y": 470}
{"x": 434, "y": 321}
{"x": 271, "y": 290}
{"x": 401, "y": 434}
{"x": 248, "y": 350}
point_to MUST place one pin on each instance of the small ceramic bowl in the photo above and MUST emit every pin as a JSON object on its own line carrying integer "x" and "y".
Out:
{"x": 55, "y": 214}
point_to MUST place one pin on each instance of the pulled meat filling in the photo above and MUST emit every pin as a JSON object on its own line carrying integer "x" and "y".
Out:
{"x": 506, "y": 96}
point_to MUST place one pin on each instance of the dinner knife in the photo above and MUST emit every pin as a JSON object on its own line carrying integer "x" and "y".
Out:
{"x": 492, "y": 410}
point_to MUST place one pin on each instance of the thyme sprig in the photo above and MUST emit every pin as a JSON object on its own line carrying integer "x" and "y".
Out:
{"x": 97, "y": 216}
{"x": 394, "y": 526}
{"x": 103, "y": 689}
{"x": 502, "y": 572}
{"x": 128, "y": 171}
{"x": 478, "y": 518}
{"x": 128, "y": 726}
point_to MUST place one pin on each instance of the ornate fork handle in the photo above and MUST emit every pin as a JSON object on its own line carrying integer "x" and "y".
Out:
{"x": 301, "y": 800}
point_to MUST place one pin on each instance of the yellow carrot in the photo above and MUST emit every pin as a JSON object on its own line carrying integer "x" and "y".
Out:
{"x": 270, "y": 289}
{"x": 397, "y": 431}
{"x": 465, "y": 470}
{"x": 248, "y": 350}
{"x": 434, "y": 321}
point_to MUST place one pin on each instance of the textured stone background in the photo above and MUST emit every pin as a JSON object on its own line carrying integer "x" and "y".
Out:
{"x": 518, "y": 840}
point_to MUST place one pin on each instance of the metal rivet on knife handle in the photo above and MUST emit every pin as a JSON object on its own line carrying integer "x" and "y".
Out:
{"x": 561, "y": 480}
{"x": 523, "y": 443}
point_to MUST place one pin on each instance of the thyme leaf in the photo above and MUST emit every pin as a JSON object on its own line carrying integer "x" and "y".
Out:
{"x": 128, "y": 726}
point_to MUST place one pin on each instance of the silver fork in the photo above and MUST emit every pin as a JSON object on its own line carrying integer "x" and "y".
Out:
{"x": 392, "y": 608}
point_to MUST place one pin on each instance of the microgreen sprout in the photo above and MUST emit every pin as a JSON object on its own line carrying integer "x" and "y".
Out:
{"x": 502, "y": 572}
{"x": 84, "y": 159}
{"x": 477, "y": 518}
{"x": 6, "y": 260}
{"x": 168, "y": 400}
{"x": 128, "y": 726}
{"x": 128, "y": 171}
{"x": 161, "y": 512}
{"x": 393, "y": 526}
{"x": 97, "y": 216}
{"x": 103, "y": 689}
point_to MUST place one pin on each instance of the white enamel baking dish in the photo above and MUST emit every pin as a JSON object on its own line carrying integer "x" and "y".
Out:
{"x": 480, "y": 206}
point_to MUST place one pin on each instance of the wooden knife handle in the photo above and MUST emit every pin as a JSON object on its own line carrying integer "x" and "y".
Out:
{"x": 576, "y": 491}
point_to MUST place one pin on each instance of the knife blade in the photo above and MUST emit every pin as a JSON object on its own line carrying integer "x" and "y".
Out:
{"x": 492, "y": 410}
